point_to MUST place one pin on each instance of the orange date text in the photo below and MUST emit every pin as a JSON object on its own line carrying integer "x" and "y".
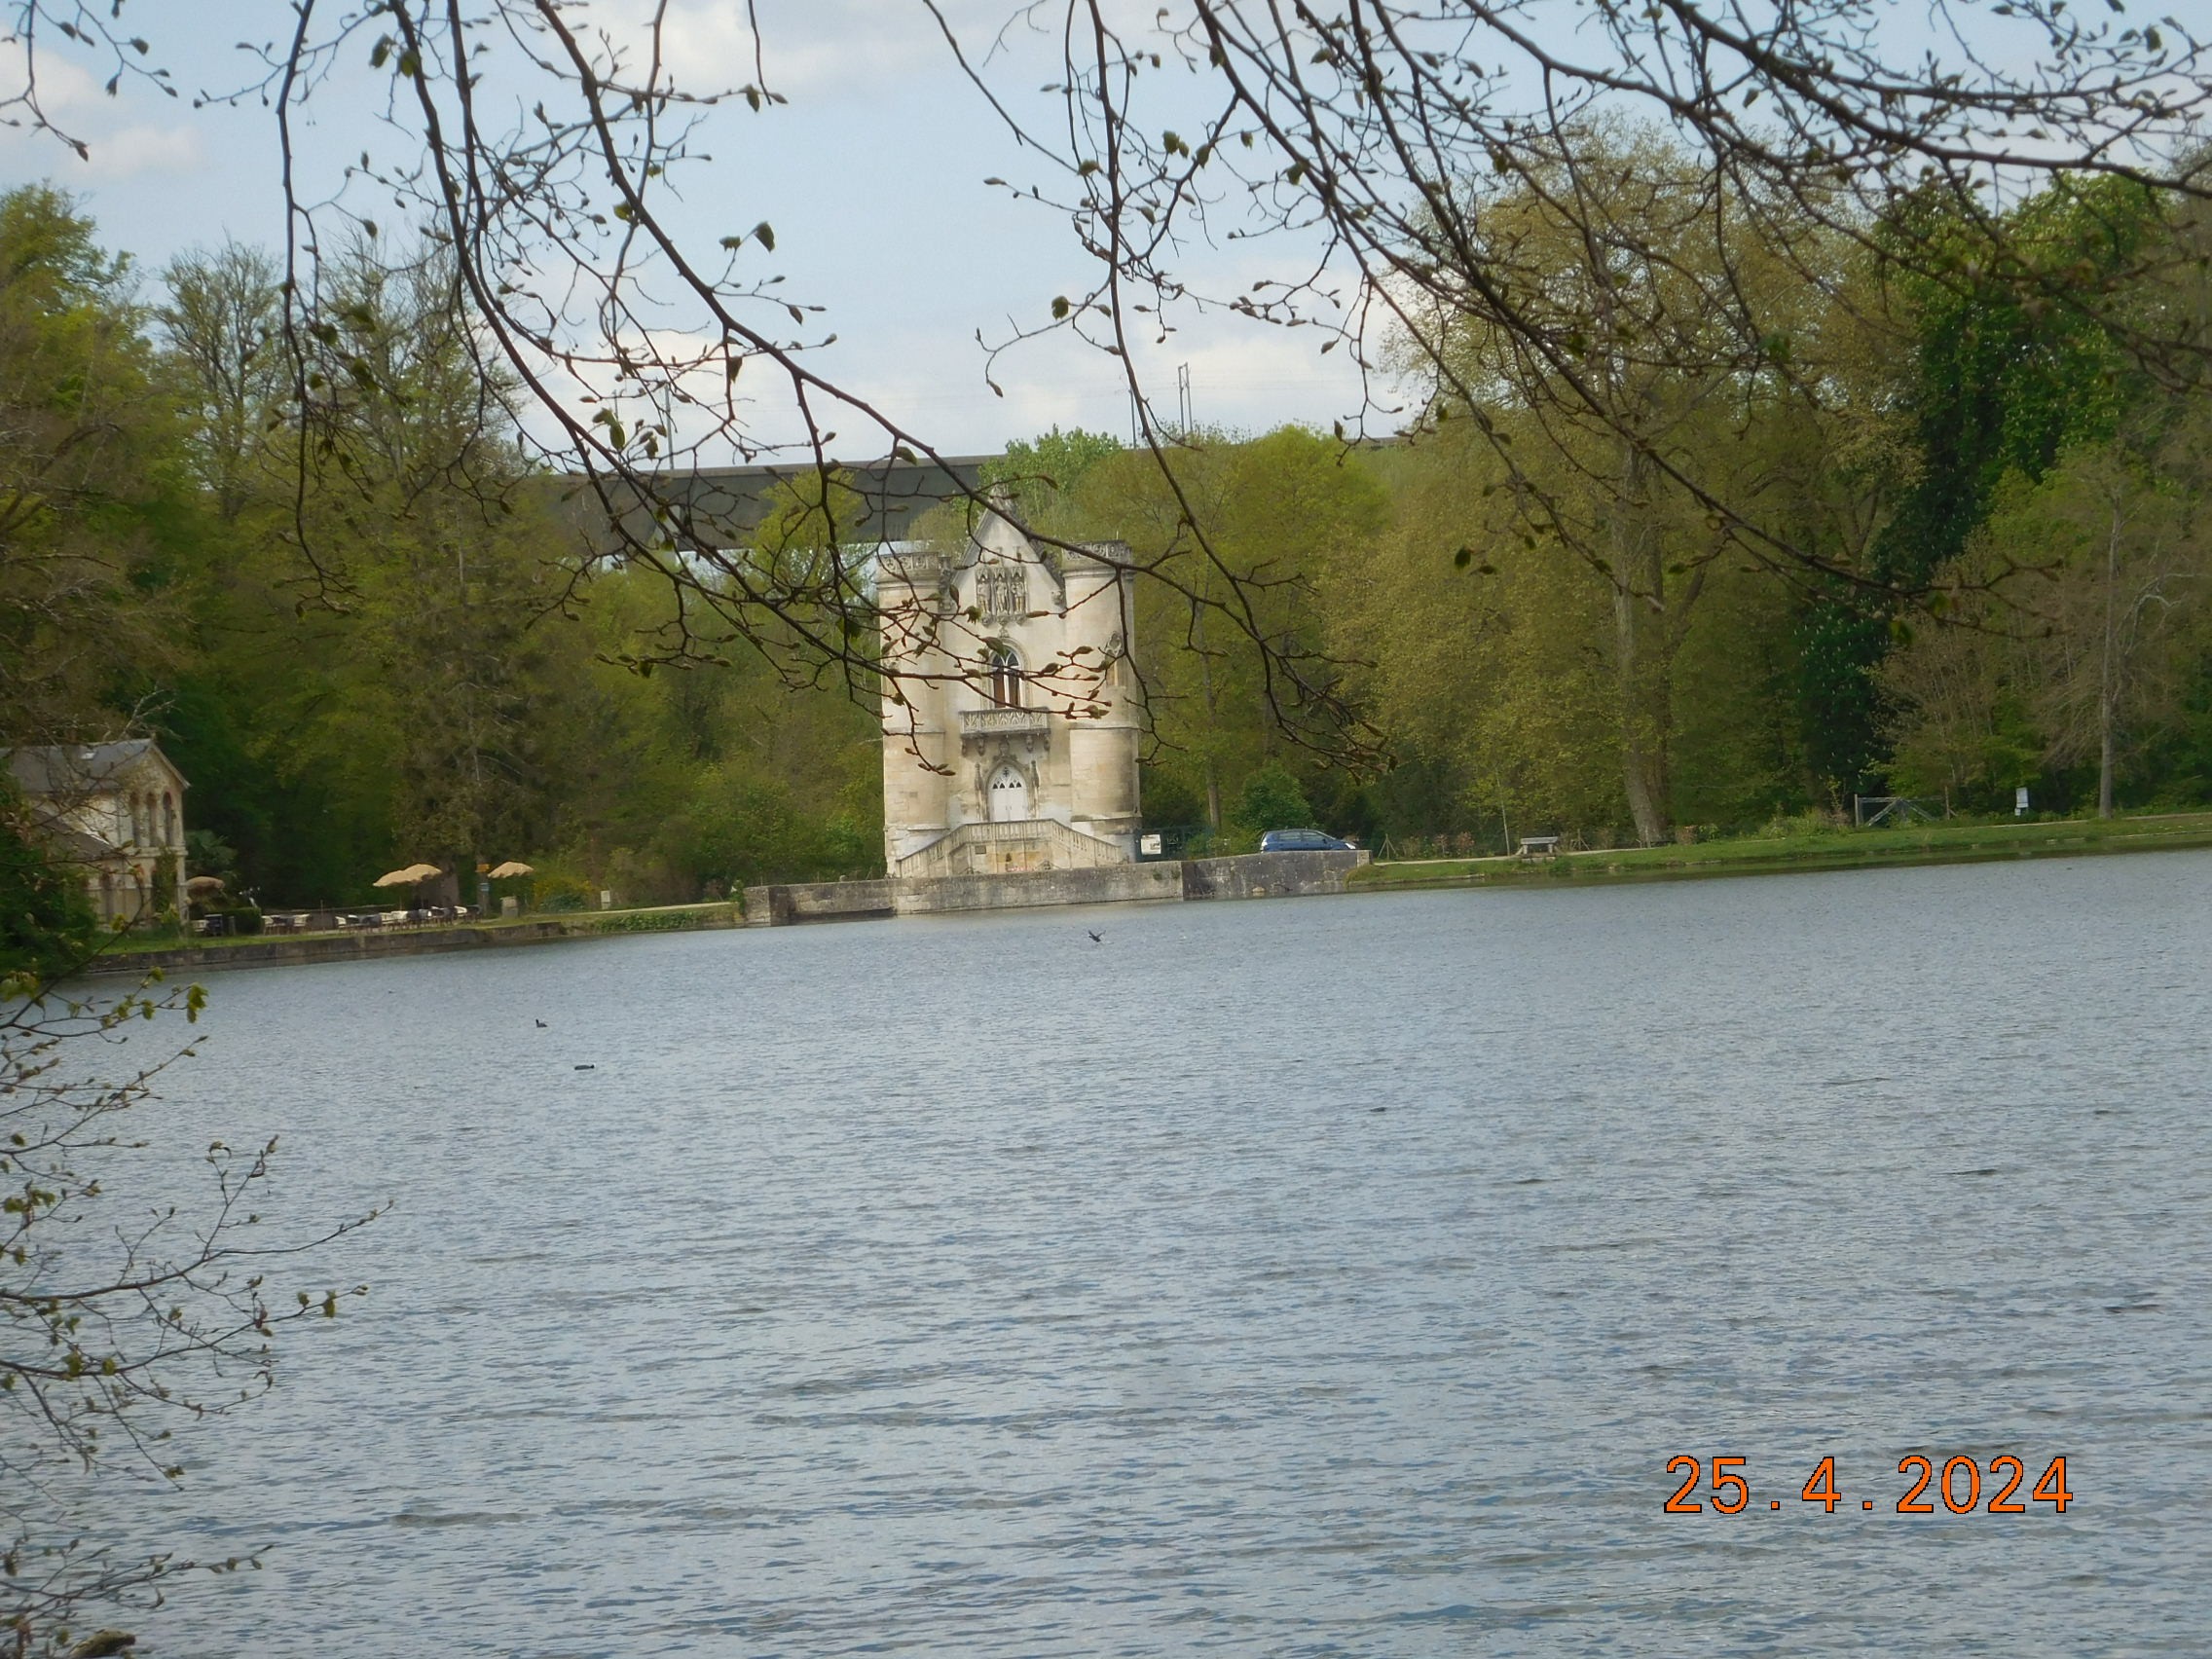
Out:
{"x": 1959, "y": 1484}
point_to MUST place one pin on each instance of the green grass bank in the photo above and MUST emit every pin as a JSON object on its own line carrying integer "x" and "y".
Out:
{"x": 1840, "y": 849}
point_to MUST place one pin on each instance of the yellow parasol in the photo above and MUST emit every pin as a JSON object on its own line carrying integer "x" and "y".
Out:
{"x": 512, "y": 867}
{"x": 408, "y": 878}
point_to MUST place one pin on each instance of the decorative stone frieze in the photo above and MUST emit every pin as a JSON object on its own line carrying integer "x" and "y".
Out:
{"x": 1031, "y": 728}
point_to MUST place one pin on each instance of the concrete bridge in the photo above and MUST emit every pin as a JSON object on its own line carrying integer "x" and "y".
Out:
{"x": 720, "y": 507}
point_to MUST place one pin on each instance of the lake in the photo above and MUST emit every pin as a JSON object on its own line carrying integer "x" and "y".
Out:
{"x": 1314, "y": 1277}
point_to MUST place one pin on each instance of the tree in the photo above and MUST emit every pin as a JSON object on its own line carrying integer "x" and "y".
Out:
{"x": 1045, "y": 475}
{"x": 1271, "y": 799}
{"x": 223, "y": 325}
{"x": 46, "y": 925}
{"x": 1281, "y": 509}
{"x": 85, "y": 444}
{"x": 2088, "y": 643}
{"x": 2115, "y": 539}
{"x": 1993, "y": 381}
{"x": 1613, "y": 246}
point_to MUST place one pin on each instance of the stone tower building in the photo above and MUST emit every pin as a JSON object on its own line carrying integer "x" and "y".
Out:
{"x": 1016, "y": 746}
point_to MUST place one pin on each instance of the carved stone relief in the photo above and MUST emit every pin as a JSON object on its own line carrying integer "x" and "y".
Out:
{"x": 1002, "y": 593}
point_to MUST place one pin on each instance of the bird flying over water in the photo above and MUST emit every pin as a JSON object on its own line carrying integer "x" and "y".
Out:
{"x": 541, "y": 1025}
{"x": 1096, "y": 937}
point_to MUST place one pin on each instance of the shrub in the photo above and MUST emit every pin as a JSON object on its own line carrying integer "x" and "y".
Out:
{"x": 46, "y": 924}
{"x": 559, "y": 887}
{"x": 1271, "y": 799}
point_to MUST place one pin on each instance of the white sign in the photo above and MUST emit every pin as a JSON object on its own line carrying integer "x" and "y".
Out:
{"x": 1149, "y": 846}
{"x": 2020, "y": 801}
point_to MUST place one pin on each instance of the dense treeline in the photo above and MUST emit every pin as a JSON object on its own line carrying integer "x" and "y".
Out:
{"x": 361, "y": 627}
{"x": 363, "y": 636}
{"x": 1995, "y": 511}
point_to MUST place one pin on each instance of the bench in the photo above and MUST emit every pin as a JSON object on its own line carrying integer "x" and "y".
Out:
{"x": 1533, "y": 845}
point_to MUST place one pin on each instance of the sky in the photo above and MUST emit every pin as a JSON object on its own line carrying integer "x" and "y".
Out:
{"x": 871, "y": 175}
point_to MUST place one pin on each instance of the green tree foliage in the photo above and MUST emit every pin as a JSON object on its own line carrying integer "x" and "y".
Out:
{"x": 89, "y": 497}
{"x": 46, "y": 925}
{"x": 415, "y": 661}
{"x": 2088, "y": 650}
{"x": 1279, "y": 510}
{"x": 1271, "y": 799}
{"x": 1045, "y": 475}
{"x": 383, "y": 641}
{"x": 2017, "y": 356}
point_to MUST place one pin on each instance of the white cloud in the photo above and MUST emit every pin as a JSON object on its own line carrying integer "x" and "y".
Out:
{"x": 1244, "y": 377}
{"x": 818, "y": 46}
{"x": 137, "y": 151}
{"x": 78, "y": 103}
{"x": 825, "y": 47}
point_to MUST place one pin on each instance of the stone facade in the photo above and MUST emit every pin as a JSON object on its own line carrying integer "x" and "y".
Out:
{"x": 1014, "y": 748}
{"x": 115, "y": 811}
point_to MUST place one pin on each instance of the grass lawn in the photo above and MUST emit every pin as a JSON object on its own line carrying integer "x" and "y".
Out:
{"x": 1838, "y": 849}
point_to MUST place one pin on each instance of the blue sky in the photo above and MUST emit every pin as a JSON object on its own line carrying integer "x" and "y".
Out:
{"x": 871, "y": 175}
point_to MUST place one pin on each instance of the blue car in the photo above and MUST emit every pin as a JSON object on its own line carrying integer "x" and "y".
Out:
{"x": 1301, "y": 841}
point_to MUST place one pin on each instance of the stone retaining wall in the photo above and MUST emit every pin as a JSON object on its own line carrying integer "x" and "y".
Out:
{"x": 781, "y": 905}
{"x": 1254, "y": 875}
{"x": 277, "y": 952}
{"x": 1268, "y": 875}
{"x": 1101, "y": 884}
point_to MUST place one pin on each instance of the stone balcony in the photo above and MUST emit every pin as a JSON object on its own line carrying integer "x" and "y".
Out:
{"x": 1032, "y": 727}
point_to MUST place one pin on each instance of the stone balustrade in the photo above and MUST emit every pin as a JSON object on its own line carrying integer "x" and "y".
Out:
{"x": 1005, "y": 722}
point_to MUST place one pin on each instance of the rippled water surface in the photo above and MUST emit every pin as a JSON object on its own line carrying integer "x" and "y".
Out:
{"x": 1332, "y": 1276}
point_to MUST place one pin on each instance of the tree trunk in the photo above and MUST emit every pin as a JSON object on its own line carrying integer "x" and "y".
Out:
{"x": 1640, "y": 656}
{"x": 1205, "y": 687}
{"x": 1644, "y": 740}
{"x": 2104, "y": 758}
{"x": 2106, "y": 692}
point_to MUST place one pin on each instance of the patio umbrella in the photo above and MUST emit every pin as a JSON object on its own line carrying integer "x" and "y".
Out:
{"x": 407, "y": 877}
{"x": 200, "y": 886}
{"x": 512, "y": 867}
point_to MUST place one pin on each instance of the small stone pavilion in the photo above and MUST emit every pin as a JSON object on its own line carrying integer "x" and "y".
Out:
{"x": 115, "y": 812}
{"x": 1016, "y": 745}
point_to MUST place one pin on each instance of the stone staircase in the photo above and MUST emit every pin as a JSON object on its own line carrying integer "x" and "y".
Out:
{"x": 1010, "y": 848}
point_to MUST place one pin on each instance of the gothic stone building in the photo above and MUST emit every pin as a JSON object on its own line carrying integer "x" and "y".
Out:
{"x": 1016, "y": 745}
{"x": 115, "y": 812}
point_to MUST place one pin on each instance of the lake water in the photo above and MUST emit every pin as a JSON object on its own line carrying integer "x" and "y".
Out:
{"x": 1331, "y": 1276}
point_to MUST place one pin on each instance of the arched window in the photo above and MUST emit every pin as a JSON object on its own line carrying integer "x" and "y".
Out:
{"x": 1006, "y": 676}
{"x": 168, "y": 819}
{"x": 1009, "y": 794}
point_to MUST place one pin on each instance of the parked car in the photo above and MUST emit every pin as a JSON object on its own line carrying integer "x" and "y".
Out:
{"x": 1301, "y": 841}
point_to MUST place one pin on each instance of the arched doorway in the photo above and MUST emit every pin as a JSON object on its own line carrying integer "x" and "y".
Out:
{"x": 1008, "y": 796}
